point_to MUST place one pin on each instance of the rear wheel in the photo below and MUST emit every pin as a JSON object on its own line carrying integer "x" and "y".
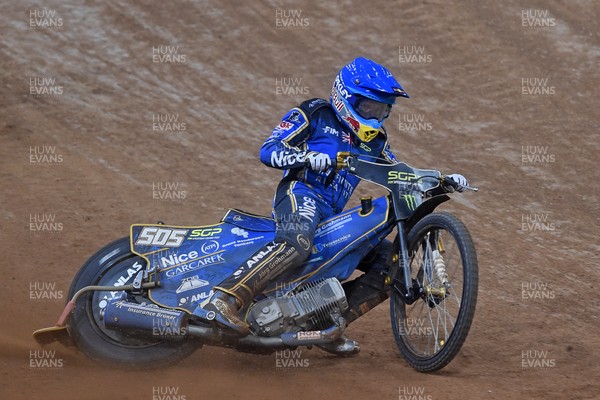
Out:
{"x": 115, "y": 265}
{"x": 430, "y": 332}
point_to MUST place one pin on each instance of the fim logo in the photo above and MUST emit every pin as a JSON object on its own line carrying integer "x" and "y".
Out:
{"x": 413, "y": 123}
{"x": 413, "y": 393}
{"x": 167, "y": 123}
{"x": 44, "y": 291}
{"x": 290, "y": 87}
{"x": 290, "y": 19}
{"x": 536, "y": 87}
{"x": 44, "y": 86}
{"x": 44, "y": 19}
{"x": 167, "y": 393}
{"x": 536, "y": 359}
{"x": 44, "y": 359}
{"x": 415, "y": 327}
{"x": 536, "y": 155}
{"x": 44, "y": 223}
{"x": 413, "y": 55}
{"x": 290, "y": 359}
{"x": 168, "y": 191}
{"x": 534, "y": 222}
{"x": 167, "y": 55}
{"x": 536, "y": 291}
{"x": 539, "y": 19}
{"x": 44, "y": 155}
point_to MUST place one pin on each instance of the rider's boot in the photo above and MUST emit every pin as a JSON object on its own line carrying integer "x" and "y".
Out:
{"x": 227, "y": 307}
{"x": 250, "y": 279}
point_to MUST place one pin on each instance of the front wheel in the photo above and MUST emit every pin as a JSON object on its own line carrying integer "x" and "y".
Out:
{"x": 430, "y": 332}
{"x": 115, "y": 265}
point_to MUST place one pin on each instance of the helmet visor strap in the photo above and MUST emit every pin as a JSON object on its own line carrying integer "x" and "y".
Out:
{"x": 371, "y": 109}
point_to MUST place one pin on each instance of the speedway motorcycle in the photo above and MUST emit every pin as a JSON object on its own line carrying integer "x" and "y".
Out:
{"x": 139, "y": 299}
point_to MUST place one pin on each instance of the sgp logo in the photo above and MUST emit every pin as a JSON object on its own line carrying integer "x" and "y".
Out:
{"x": 206, "y": 232}
{"x": 401, "y": 176}
{"x": 156, "y": 236}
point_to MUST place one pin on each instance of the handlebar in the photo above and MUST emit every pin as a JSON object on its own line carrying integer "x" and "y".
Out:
{"x": 341, "y": 162}
{"x": 448, "y": 182}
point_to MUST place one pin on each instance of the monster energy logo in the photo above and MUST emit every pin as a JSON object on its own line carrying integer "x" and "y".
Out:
{"x": 411, "y": 201}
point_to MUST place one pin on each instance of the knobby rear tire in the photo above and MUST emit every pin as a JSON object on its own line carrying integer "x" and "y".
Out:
{"x": 110, "y": 347}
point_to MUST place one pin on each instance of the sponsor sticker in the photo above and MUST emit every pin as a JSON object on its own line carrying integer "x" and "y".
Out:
{"x": 309, "y": 335}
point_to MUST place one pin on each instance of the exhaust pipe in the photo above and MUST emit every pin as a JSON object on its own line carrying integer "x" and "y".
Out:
{"x": 286, "y": 340}
{"x": 150, "y": 319}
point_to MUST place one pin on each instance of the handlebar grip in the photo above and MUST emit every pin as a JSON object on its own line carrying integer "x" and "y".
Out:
{"x": 449, "y": 183}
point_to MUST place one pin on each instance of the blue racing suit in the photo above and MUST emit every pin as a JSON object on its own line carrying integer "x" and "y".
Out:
{"x": 314, "y": 126}
{"x": 304, "y": 197}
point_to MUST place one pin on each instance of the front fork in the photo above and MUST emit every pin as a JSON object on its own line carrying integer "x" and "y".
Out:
{"x": 410, "y": 291}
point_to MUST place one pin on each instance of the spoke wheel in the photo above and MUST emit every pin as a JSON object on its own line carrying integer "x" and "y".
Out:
{"x": 443, "y": 263}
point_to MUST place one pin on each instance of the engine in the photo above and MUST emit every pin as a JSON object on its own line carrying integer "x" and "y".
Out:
{"x": 312, "y": 307}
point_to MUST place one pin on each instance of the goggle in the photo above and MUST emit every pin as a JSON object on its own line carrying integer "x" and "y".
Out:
{"x": 372, "y": 109}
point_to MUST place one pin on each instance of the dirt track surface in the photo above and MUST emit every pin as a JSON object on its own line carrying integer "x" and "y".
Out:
{"x": 534, "y": 155}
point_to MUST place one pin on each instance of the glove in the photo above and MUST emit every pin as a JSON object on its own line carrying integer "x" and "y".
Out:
{"x": 318, "y": 161}
{"x": 460, "y": 180}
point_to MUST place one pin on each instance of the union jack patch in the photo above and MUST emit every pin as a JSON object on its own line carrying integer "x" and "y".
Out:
{"x": 346, "y": 138}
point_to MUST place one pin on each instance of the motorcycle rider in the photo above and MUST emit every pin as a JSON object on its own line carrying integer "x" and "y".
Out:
{"x": 304, "y": 144}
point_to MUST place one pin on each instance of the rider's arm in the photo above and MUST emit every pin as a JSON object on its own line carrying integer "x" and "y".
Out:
{"x": 284, "y": 149}
{"x": 388, "y": 155}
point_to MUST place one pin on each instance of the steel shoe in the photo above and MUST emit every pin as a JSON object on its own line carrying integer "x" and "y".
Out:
{"x": 342, "y": 347}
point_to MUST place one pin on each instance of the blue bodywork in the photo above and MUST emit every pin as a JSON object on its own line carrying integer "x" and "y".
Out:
{"x": 191, "y": 260}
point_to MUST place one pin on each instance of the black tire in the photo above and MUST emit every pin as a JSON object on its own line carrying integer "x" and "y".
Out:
{"x": 109, "y": 346}
{"x": 408, "y": 337}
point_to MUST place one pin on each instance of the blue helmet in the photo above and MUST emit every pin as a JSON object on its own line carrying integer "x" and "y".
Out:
{"x": 362, "y": 96}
